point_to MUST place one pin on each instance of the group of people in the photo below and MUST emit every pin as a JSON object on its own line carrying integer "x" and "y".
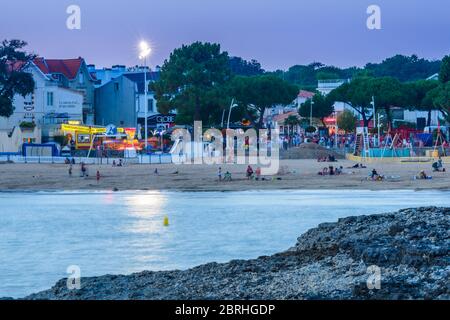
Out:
{"x": 117, "y": 164}
{"x": 84, "y": 172}
{"x": 329, "y": 158}
{"x": 226, "y": 177}
{"x": 331, "y": 171}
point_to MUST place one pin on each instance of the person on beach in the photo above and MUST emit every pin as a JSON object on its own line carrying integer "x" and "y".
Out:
{"x": 249, "y": 172}
{"x": 227, "y": 176}
{"x": 423, "y": 176}
{"x": 331, "y": 171}
{"x": 375, "y": 176}
{"x": 84, "y": 170}
{"x": 324, "y": 172}
{"x": 258, "y": 174}
{"x": 156, "y": 171}
{"x": 70, "y": 170}
{"x": 437, "y": 166}
{"x": 98, "y": 176}
{"x": 219, "y": 174}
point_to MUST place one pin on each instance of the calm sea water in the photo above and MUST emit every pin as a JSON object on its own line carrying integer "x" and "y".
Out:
{"x": 41, "y": 234}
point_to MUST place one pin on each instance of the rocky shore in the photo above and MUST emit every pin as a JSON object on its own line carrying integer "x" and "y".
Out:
{"x": 411, "y": 247}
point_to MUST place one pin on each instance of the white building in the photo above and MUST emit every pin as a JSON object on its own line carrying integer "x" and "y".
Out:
{"x": 48, "y": 106}
{"x": 326, "y": 86}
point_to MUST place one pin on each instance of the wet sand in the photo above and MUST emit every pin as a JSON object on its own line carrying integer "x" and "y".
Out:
{"x": 300, "y": 174}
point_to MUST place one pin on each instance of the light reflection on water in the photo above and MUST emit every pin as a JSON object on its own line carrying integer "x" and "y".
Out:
{"x": 41, "y": 234}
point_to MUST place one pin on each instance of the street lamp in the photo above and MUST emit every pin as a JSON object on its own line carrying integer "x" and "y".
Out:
{"x": 311, "y": 114}
{"x": 233, "y": 105}
{"x": 145, "y": 51}
{"x": 379, "y": 126}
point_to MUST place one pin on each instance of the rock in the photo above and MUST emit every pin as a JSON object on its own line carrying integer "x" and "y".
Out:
{"x": 410, "y": 248}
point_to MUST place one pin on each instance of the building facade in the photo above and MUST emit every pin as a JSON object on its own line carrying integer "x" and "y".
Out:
{"x": 72, "y": 74}
{"x": 48, "y": 106}
{"x": 121, "y": 101}
{"x": 116, "y": 103}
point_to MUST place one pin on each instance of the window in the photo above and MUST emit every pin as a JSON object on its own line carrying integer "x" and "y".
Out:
{"x": 150, "y": 105}
{"x": 50, "y": 99}
{"x": 81, "y": 78}
{"x": 116, "y": 86}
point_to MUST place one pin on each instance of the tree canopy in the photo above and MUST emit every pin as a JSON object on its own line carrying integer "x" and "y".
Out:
{"x": 421, "y": 96}
{"x": 12, "y": 79}
{"x": 387, "y": 92}
{"x": 191, "y": 82}
{"x": 242, "y": 67}
{"x": 347, "y": 121}
{"x": 444, "y": 74}
{"x": 256, "y": 94}
{"x": 322, "y": 107}
{"x": 404, "y": 68}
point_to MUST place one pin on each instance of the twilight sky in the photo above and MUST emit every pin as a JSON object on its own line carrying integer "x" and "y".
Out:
{"x": 278, "y": 33}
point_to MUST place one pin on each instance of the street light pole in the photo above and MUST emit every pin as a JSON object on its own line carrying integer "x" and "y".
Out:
{"x": 311, "y": 114}
{"x": 145, "y": 52}
{"x": 145, "y": 104}
{"x": 229, "y": 113}
{"x": 373, "y": 111}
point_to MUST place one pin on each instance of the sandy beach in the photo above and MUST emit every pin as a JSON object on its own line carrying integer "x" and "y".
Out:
{"x": 298, "y": 174}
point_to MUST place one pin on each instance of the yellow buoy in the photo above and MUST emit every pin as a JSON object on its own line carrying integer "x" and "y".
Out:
{"x": 166, "y": 221}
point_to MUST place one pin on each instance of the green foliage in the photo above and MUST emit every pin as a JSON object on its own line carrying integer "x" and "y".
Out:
{"x": 441, "y": 99}
{"x": 12, "y": 79}
{"x": 27, "y": 125}
{"x": 322, "y": 107}
{"x": 444, "y": 75}
{"x": 241, "y": 67}
{"x": 306, "y": 76}
{"x": 192, "y": 82}
{"x": 421, "y": 96}
{"x": 256, "y": 94}
{"x": 310, "y": 129}
{"x": 347, "y": 121}
{"x": 404, "y": 68}
{"x": 292, "y": 121}
{"x": 388, "y": 92}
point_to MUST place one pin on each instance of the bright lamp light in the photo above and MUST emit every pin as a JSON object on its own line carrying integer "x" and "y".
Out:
{"x": 145, "y": 49}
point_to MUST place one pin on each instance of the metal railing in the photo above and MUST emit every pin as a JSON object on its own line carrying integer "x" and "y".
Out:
{"x": 140, "y": 159}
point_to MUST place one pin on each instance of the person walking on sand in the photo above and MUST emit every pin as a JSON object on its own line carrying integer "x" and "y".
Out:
{"x": 70, "y": 170}
{"x": 82, "y": 170}
{"x": 219, "y": 173}
{"x": 98, "y": 176}
{"x": 249, "y": 172}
